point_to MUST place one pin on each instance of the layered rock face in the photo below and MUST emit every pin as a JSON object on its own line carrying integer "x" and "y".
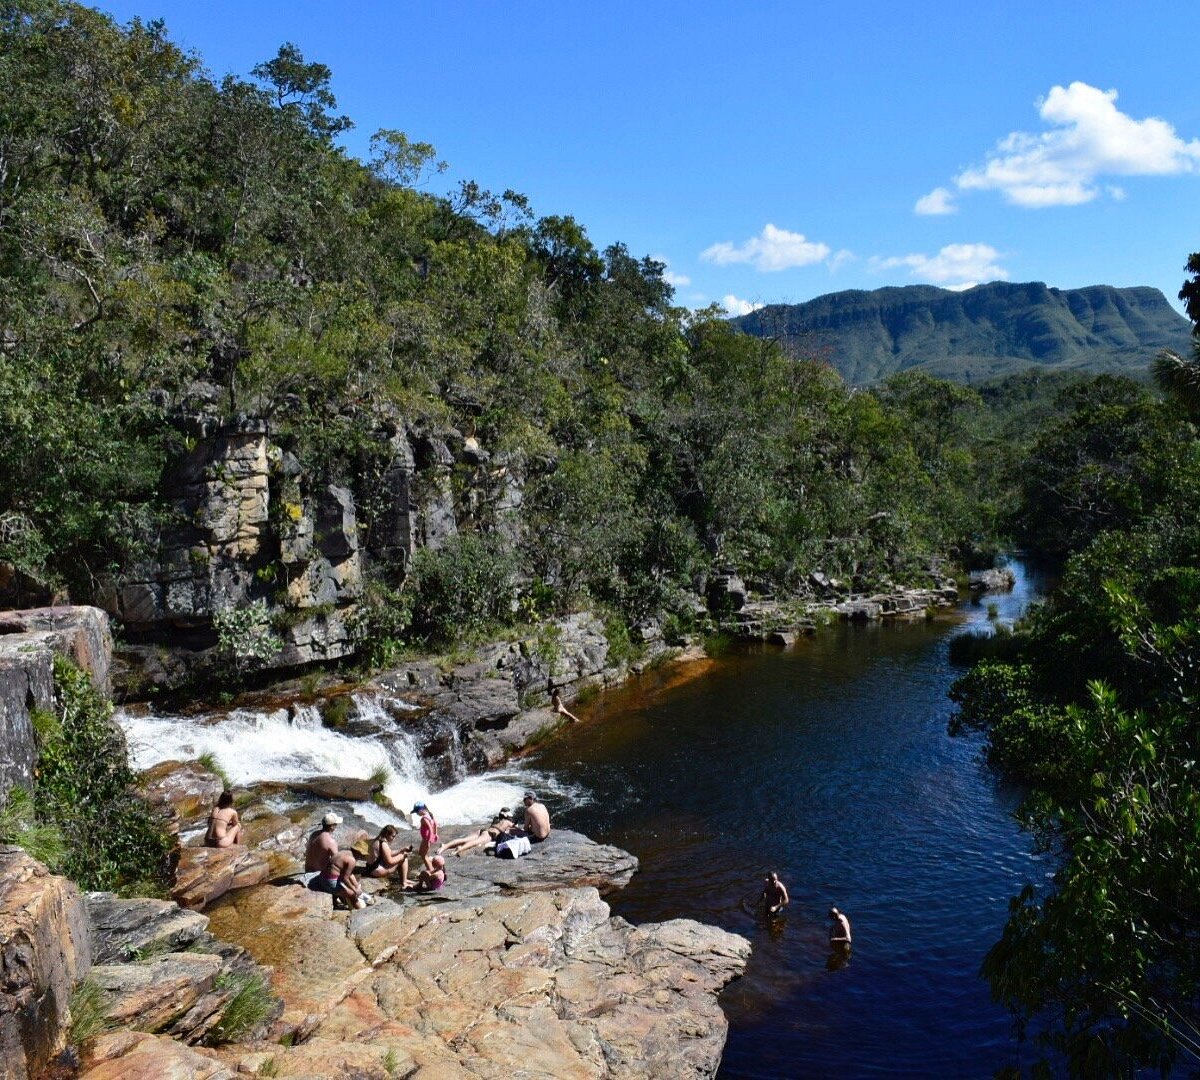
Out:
{"x": 45, "y": 949}
{"x": 29, "y": 641}
{"x": 251, "y": 525}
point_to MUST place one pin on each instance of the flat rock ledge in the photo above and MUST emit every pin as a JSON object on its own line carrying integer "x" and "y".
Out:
{"x": 514, "y": 969}
{"x": 532, "y": 984}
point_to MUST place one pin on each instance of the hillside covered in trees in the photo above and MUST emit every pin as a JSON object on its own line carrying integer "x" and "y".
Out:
{"x": 983, "y": 333}
{"x": 184, "y": 261}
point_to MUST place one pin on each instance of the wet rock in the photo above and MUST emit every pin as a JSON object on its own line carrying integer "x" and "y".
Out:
{"x": 125, "y": 929}
{"x": 336, "y": 788}
{"x": 185, "y": 790}
{"x": 45, "y": 949}
{"x": 206, "y": 874}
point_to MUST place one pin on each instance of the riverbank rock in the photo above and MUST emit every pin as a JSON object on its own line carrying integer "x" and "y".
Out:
{"x": 205, "y": 874}
{"x": 133, "y": 1055}
{"x": 45, "y": 949}
{"x": 29, "y": 641}
{"x": 1001, "y": 579}
{"x": 540, "y": 983}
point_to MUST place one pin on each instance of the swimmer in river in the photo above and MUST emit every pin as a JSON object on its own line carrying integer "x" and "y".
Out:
{"x": 775, "y": 895}
{"x": 839, "y": 930}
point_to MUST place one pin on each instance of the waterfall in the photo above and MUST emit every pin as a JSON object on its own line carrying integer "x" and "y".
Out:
{"x": 292, "y": 743}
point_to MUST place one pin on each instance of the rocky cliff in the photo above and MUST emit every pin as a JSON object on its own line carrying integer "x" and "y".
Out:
{"x": 980, "y": 333}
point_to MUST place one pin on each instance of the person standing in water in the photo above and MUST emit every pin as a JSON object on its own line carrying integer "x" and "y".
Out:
{"x": 775, "y": 894}
{"x": 839, "y": 930}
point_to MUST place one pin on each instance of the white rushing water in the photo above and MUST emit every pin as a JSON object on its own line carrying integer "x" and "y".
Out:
{"x": 292, "y": 744}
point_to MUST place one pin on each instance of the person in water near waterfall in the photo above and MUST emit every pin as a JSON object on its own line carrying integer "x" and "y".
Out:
{"x": 224, "y": 828}
{"x": 775, "y": 894}
{"x": 839, "y": 930}
{"x": 501, "y": 824}
{"x": 429, "y": 833}
{"x": 430, "y": 879}
{"x": 381, "y": 860}
{"x": 329, "y": 869}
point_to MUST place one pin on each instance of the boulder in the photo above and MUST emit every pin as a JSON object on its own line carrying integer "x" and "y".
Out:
{"x": 45, "y": 949}
{"x": 205, "y": 874}
{"x": 151, "y": 995}
{"x": 1001, "y": 579}
{"x": 126, "y": 929}
{"x": 185, "y": 790}
{"x": 133, "y": 1055}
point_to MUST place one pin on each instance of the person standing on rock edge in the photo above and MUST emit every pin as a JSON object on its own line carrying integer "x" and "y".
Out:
{"x": 775, "y": 894}
{"x": 429, "y": 833}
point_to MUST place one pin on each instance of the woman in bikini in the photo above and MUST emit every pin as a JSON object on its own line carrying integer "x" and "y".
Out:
{"x": 494, "y": 832}
{"x": 224, "y": 828}
{"x": 382, "y": 860}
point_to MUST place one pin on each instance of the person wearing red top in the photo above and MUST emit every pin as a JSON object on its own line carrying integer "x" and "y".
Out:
{"x": 429, "y": 833}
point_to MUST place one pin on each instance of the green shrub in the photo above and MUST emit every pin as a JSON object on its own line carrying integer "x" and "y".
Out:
{"x": 462, "y": 589}
{"x": 250, "y": 1006}
{"x": 89, "y": 1014}
{"x": 86, "y": 788}
{"x": 208, "y": 760}
{"x": 622, "y": 649}
{"x": 245, "y": 637}
{"x": 380, "y": 624}
{"x": 19, "y": 826}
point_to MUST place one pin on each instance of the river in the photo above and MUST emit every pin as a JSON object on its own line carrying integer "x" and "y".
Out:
{"x": 830, "y": 763}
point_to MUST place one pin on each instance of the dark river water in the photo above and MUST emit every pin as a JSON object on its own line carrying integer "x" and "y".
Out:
{"x": 830, "y": 763}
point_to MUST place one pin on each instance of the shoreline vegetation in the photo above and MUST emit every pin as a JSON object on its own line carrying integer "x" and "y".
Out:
{"x": 276, "y": 410}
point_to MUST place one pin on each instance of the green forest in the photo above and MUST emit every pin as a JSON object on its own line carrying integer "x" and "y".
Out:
{"x": 173, "y": 244}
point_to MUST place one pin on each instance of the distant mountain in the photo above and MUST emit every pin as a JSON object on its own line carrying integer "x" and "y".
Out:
{"x": 980, "y": 333}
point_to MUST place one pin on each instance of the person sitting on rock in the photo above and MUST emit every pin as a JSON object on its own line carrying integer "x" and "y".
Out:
{"x": 537, "y": 820}
{"x": 556, "y": 703}
{"x": 224, "y": 828}
{"x": 329, "y": 869}
{"x": 381, "y": 860}
{"x": 429, "y": 832}
{"x": 428, "y": 880}
{"x": 496, "y": 831}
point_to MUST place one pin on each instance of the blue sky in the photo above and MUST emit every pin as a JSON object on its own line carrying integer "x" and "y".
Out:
{"x": 772, "y": 152}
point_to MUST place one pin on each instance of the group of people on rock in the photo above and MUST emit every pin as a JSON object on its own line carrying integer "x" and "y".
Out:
{"x": 334, "y": 870}
{"x": 775, "y": 898}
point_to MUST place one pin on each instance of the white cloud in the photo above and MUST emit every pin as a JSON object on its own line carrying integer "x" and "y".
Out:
{"x": 956, "y": 266}
{"x": 678, "y": 281}
{"x": 772, "y": 249}
{"x": 839, "y": 259}
{"x": 938, "y": 201}
{"x": 736, "y": 306}
{"x": 1089, "y": 138}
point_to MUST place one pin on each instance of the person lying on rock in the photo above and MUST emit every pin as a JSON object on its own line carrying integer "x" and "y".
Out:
{"x": 429, "y": 833}
{"x": 501, "y": 824}
{"x": 381, "y": 860}
{"x": 428, "y": 880}
{"x": 329, "y": 869}
{"x": 224, "y": 828}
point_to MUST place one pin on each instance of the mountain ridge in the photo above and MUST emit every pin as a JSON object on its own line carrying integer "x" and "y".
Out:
{"x": 976, "y": 334}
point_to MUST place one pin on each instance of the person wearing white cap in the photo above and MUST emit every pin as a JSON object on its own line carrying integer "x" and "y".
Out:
{"x": 329, "y": 869}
